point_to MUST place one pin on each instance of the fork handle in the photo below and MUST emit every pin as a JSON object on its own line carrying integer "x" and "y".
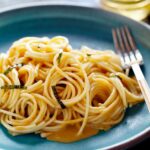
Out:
{"x": 142, "y": 83}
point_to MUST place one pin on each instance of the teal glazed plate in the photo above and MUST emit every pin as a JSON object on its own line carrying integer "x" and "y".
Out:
{"x": 83, "y": 26}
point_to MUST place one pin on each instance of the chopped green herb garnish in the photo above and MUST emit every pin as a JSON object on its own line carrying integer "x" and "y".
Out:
{"x": 58, "y": 98}
{"x": 116, "y": 76}
{"x": 38, "y": 46}
{"x": 59, "y": 57}
{"x": 88, "y": 55}
{"x": 8, "y": 70}
{"x": 12, "y": 67}
{"x": 13, "y": 87}
{"x": 113, "y": 76}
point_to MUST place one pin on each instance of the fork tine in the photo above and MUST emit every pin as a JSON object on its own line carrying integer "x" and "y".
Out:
{"x": 117, "y": 47}
{"x": 116, "y": 42}
{"x": 128, "y": 49}
{"x": 130, "y": 38}
{"x": 120, "y": 40}
{"x": 127, "y": 46}
{"x": 133, "y": 46}
{"x": 122, "y": 48}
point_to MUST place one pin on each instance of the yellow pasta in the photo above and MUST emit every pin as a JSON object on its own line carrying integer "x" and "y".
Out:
{"x": 60, "y": 93}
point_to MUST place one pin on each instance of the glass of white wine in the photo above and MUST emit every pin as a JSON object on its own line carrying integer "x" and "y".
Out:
{"x": 135, "y": 9}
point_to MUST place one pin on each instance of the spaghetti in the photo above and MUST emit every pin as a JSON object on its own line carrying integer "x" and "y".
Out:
{"x": 60, "y": 93}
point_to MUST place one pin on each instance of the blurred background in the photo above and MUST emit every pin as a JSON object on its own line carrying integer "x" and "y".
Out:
{"x": 136, "y": 9}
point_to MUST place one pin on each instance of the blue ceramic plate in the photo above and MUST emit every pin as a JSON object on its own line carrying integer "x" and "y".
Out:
{"x": 83, "y": 26}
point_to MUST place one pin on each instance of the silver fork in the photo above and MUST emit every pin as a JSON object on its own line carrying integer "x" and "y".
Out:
{"x": 131, "y": 58}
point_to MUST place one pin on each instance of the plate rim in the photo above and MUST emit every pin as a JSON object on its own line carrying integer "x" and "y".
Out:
{"x": 125, "y": 143}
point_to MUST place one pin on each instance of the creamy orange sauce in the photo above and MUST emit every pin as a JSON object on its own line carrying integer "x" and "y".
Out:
{"x": 69, "y": 134}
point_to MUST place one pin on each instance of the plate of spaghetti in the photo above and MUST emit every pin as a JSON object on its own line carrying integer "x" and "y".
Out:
{"x": 61, "y": 83}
